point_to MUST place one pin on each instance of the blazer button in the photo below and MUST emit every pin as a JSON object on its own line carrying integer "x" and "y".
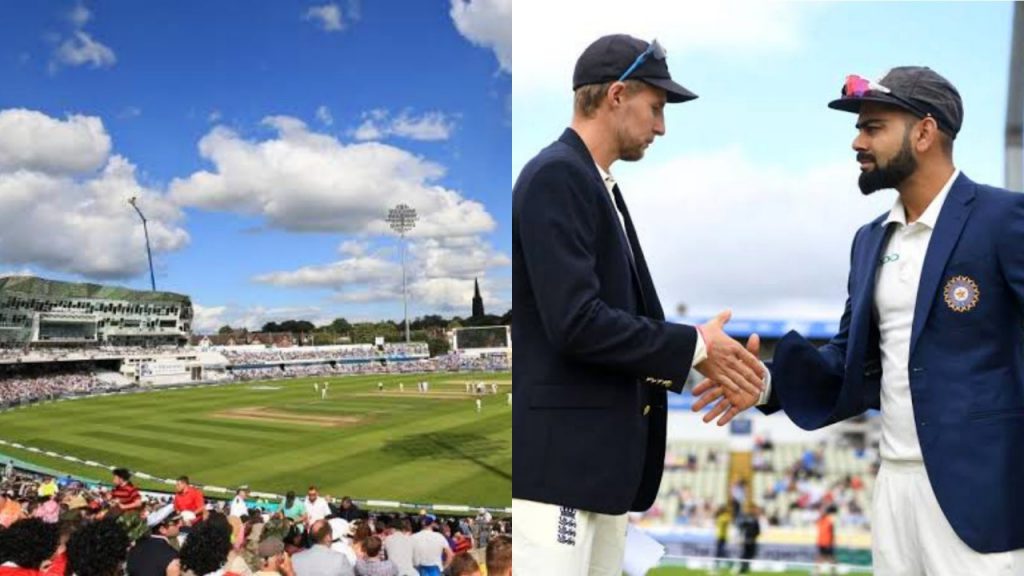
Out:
{"x": 647, "y": 410}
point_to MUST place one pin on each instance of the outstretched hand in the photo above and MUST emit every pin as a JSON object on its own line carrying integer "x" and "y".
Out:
{"x": 731, "y": 399}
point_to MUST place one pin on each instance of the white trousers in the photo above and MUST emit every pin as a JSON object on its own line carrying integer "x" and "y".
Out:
{"x": 910, "y": 535}
{"x": 550, "y": 540}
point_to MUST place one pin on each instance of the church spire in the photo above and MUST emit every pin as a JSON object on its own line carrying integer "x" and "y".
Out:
{"x": 478, "y": 302}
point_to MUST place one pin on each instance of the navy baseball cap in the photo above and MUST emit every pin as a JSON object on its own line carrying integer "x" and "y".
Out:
{"x": 916, "y": 89}
{"x": 621, "y": 57}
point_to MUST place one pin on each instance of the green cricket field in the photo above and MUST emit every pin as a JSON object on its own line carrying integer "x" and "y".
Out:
{"x": 279, "y": 435}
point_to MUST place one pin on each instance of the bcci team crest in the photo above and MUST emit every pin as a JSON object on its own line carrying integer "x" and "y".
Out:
{"x": 961, "y": 294}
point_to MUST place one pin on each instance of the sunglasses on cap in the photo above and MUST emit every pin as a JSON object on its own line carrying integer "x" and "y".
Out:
{"x": 859, "y": 87}
{"x": 653, "y": 49}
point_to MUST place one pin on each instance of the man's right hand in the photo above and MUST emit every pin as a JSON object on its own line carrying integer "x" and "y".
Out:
{"x": 729, "y": 364}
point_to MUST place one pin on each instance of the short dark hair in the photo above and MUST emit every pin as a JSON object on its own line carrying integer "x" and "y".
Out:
{"x": 29, "y": 543}
{"x": 322, "y": 531}
{"x": 123, "y": 474}
{"x": 98, "y": 549}
{"x": 206, "y": 548}
{"x": 183, "y": 479}
{"x": 372, "y": 546}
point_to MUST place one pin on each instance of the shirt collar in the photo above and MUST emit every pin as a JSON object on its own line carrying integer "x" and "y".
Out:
{"x": 931, "y": 214}
{"x": 609, "y": 181}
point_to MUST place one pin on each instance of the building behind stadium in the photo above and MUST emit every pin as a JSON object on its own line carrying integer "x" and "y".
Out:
{"x": 39, "y": 312}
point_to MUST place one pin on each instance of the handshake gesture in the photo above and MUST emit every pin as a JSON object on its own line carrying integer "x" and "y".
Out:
{"x": 734, "y": 375}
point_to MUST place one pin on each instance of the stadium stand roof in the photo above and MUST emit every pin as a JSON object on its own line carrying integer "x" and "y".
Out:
{"x": 771, "y": 328}
{"x": 41, "y": 287}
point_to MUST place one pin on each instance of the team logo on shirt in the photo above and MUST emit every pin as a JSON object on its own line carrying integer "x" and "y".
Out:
{"x": 961, "y": 294}
{"x": 567, "y": 525}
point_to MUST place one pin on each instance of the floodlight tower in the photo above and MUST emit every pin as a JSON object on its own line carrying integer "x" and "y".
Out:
{"x": 402, "y": 219}
{"x": 145, "y": 229}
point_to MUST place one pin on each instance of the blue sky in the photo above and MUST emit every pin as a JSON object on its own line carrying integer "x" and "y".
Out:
{"x": 265, "y": 141}
{"x": 750, "y": 201}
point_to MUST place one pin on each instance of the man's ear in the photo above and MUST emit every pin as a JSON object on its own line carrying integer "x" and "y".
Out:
{"x": 928, "y": 135}
{"x": 616, "y": 93}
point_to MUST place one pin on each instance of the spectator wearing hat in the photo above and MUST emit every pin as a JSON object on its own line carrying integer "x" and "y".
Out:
{"x": 188, "y": 498}
{"x": 499, "y": 556}
{"x": 238, "y": 511}
{"x": 157, "y": 554}
{"x": 430, "y": 551}
{"x": 273, "y": 558}
{"x": 372, "y": 564}
{"x": 25, "y": 545}
{"x": 98, "y": 549}
{"x": 126, "y": 497}
{"x": 294, "y": 508}
{"x": 593, "y": 332}
{"x": 239, "y": 507}
{"x": 932, "y": 336}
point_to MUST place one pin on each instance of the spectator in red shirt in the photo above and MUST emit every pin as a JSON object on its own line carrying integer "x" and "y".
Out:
{"x": 125, "y": 495}
{"x": 189, "y": 498}
{"x": 26, "y": 545}
{"x": 460, "y": 543}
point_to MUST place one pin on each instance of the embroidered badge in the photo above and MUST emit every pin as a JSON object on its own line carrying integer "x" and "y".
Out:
{"x": 961, "y": 294}
{"x": 567, "y": 526}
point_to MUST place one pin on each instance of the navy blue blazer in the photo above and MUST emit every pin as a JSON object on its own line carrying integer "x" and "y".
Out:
{"x": 966, "y": 372}
{"x": 594, "y": 356}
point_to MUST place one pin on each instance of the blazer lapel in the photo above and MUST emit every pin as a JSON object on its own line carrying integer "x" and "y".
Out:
{"x": 945, "y": 236}
{"x": 627, "y": 238}
{"x": 648, "y": 298}
{"x": 864, "y": 299}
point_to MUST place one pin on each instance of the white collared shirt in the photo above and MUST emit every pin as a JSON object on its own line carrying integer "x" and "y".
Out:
{"x": 700, "y": 352}
{"x": 896, "y": 286}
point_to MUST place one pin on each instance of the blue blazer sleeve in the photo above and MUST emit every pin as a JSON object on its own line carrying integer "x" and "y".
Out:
{"x": 808, "y": 382}
{"x": 558, "y": 233}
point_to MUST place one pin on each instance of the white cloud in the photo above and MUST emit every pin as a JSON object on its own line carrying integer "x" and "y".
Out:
{"x": 744, "y": 30}
{"x": 353, "y": 248}
{"x": 748, "y": 236}
{"x": 79, "y": 16}
{"x": 378, "y": 125}
{"x": 440, "y": 274}
{"x": 323, "y": 114}
{"x": 81, "y": 50}
{"x": 130, "y": 112}
{"x": 488, "y": 23}
{"x": 57, "y": 212}
{"x": 303, "y": 181}
{"x": 209, "y": 319}
{"x": 328, "y": 16}
{"x": 359, "y": 270}
{"x": 33, "y": 141}
{"x": 214, "y": 117}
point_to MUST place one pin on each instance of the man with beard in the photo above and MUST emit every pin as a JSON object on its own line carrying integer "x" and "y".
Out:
{"x": 932, "y": 336}
{"x": 597, "y": 354}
